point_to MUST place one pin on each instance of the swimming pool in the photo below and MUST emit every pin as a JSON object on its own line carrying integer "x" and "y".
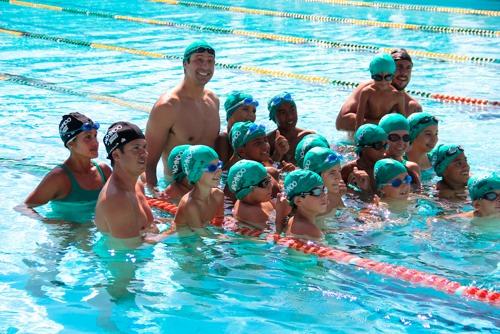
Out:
{"x": 60, "y": 278}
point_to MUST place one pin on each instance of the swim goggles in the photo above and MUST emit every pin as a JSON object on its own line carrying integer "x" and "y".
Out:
{"x": 425, "y": 120}
{"x": 380, "y": 145}
{"x": 245, "y": 102}
{"x": 379, "y": 77}
{"x": 333, "y": 158}
{"x": 316, "y": 192}
{"x": 277, "y": 100}
{"x": 265, "y": 182}
{"x": 490, "y": 196}
{"x": 202, "y": 49}
{"x": 87, "y": 126}
{"x": 211, "y": 168}
{"x": 254, "y": 128}
{"x": 450, "y": 152}
{"x": 396, "y": 183}
{"x": 394, "y": 137}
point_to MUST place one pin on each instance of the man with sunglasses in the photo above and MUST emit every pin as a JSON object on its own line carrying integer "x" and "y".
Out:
{"x": 187, "y": 115}
{"x": 346, "y": 119}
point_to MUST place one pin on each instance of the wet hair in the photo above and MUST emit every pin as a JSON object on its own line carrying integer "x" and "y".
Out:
{"x": 111, "y": 156}
{"x": 400, "y": 54}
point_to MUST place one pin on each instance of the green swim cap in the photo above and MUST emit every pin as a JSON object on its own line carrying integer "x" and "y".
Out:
{"x": 243, "y": 177}
{"x": 479, "y": 186}
{"x": 299, "y": 181}
{"x": 197, "y": 47}
{"x": 394, "y": 122}
{"x": 195, "y": 159}
{"x": 443, "y": 155}
{"x": 319, "y": 159}
{"x": 418, "y": 122}
{"x": 368, "y": 134}
{"x": 386, "y": 170}
{"x": 382, "y": 63}
{"x": 243, "y": 132}
{"x": 306, "y": 143}
{"x": 276, "y": 102}
{"x": 237, "y": 99}
{"x": 174, "y": 162}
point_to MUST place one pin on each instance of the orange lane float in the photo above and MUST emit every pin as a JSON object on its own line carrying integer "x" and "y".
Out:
{"x": 436, "y": 282}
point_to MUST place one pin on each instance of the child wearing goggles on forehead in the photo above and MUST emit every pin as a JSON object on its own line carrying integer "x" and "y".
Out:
{"x": 379, "y": 97}
{"x": 450, "y": 163}
{"x": 205, "y": 202}
{"x": 252, "y": 187}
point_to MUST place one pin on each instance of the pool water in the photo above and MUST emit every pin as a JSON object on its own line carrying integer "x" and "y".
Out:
{"x": 63, "y": 277}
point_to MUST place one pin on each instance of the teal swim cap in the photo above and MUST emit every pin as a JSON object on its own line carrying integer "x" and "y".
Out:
{"x": 386, "y": 170}
{"x": 237, "y": 99}
{"x": 394, "y": 122}
{"x": 174, "y": 164}
{"x": 368, "y": 134}
{"x": 479, "y": 186}
{"x": 243, "y": 132}
{"x": 306, "y": 143}
{"x": 244, "y": 176}
{"x": 443, "y": 155}
{"x": 300, "y": 181}
{"x": 275, "y": 103}
{"x": 418, "y": 122}
{"x": 195, "y": 159}
{"x": 197, "y": 47}
{"x": 319, "y": 159}
{"x": 382, "y": 63}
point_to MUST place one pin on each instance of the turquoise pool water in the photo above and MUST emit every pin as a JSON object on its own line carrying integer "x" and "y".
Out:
{"x": 61, "y": 277}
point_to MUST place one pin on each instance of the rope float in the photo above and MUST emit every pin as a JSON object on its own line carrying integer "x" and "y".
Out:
{"x": 402, "y": 273}
{"x": 252, "y": 69}
{"x": 388, "y": 5}
{"x": 256, "y": 34}
{"x": 321, "y": 18}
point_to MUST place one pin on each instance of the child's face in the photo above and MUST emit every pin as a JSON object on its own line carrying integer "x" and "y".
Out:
{"x": 427, "y": 139}
{"x": 257, "y": 149}
{"x": 487, "y": 207}
{"x": 332, "y": 178}
{"x": 262, "y": 192}
{"x": 382, "y": 79}
{"x": 286, "y": 116}
{"x": 398, "y": 188}
{"x": 311, "y": 202}
{"x": 211, "y": 179}
{"x": 374, "y": 152}
{"x": 457, "y": 171}
{"x": 244, "y": 113}
{"x": 399, "y": 142}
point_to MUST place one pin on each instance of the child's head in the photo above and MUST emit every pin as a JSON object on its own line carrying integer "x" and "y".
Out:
{"x": 397, "y": 128}
{"x": 326, "y": 163}
{"x": 305, "y": 191}
{"x": 423, "y": 131}
{"x": 306, "y": 143}
{"x": 202, "y": 165}
{"x": 392, "y": 179}
{"x": 240, "y": 107}
{"x": 485, "y": 194}
{"x": 249, "y": 141}
{"x": 382, "y": 68}
{"x": 371, "y": 142}
{"x": 283, "y": 111}
{"x": 249, "y": 181}
{"x": 174, "y": 164}
{"x": 450, "y": 162}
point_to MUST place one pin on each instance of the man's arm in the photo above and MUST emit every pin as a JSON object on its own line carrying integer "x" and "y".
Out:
{"x": 413, "y": 105}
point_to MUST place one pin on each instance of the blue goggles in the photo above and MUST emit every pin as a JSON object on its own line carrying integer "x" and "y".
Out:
{"x": 254, "y": 128}
{"x": 396, "y": 183}
{"x": 245, "y": 102}
{"x": 85, "y": 127}
{"x": 333, "y": 158}
{"x": 212, "y": 168}
{"x": 277, "y": 100}
{"x": 490, "y": 196}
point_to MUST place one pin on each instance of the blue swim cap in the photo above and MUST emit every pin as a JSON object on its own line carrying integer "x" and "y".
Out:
{"x": 382, "y": 63}
{"x": 195, "y": 159}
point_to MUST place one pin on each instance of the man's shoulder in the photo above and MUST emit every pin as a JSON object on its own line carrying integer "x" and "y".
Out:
{"x": 167, "y": 102}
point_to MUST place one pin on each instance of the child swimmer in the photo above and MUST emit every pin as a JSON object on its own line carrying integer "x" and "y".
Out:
{"x": 450, "y": 163}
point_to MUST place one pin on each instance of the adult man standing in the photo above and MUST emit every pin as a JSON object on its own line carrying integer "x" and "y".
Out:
{"x": 346, "y": 119}
{"x": 187, "y": 115}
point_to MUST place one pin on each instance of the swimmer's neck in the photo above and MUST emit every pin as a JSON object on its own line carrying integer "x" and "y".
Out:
{"x": 124, "y": 179}
{"x": 305, "y": 216}
{"x": 191, "y": 90}
{"x": 444, "y": 184}
{"x": 78, "y": 163}
{"x": 184, "y": 184}
{"x": 200, "y": 192}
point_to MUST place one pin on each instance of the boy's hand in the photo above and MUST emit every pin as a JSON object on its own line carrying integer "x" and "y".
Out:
{"x": 361, "y": 179}
{"x": 281, "y": 145}
{"x": 287, "y": 166}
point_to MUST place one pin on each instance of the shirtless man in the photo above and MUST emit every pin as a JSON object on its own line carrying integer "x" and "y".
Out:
{"x": 188, "y": 115}
{"x": 122, "y": 210}
{"x": 346, "y": 119}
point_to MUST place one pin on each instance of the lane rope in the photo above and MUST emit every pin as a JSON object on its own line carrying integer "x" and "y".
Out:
{"x": 251, "y": 69}
{"x": 415, "y": 277}
{"x": 423, "y": 8}
{"x": 260, "y": 35}
{"x": 322, "y": 18}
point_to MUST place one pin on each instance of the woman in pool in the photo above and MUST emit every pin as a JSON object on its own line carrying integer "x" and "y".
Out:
{"x": 76, "y": 183}
{"x": 450, "y": 163}
{"x": 423, "y": 138}
{"x": 306, "y": 194}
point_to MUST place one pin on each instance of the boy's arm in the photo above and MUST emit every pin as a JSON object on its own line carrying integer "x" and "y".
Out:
{"x": 362, "y": 106}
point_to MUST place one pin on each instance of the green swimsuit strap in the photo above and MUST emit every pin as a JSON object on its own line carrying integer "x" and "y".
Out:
{"x": 99, "y": 169}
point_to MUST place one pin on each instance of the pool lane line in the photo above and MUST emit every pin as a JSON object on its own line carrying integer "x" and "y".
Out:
{"x": 422, "y": 8}
{"x": 332, "y": 19}
{"x": 250, "y": 69}
{"x": 255, "y": 34}
{"x": 22, "y": 80}
{"x": 402, "y": 273}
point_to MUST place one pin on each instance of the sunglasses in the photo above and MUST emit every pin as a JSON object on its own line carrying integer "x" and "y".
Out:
{"x": 380, "y": 145}
{"x": 396, "y": 183}
{"x": 316, "y": 192}
{"x": 490, "y": 196}
{"x": 245, "y": 102}
{"x": 394, "y": 137}
{"x": 276, "y": 101}
{"x": 379, "y": 77}
{"x": 211, "y": 168}
{"x": 85, "y": 127}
